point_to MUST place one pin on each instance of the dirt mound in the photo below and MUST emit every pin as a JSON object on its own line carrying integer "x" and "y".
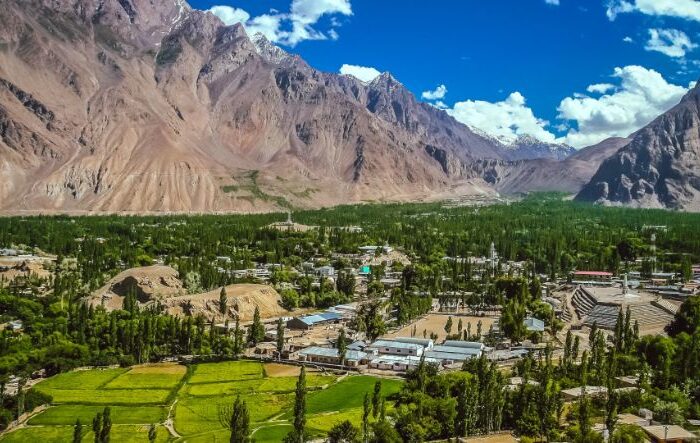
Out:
{"x": 160, "y": 284}
{"x": 150, "y": 283}
{"x": 242, "y": 300}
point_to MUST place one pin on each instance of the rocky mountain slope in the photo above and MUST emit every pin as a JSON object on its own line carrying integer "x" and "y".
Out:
{"x": 149, "y": 105}
{"x": 547, "y": 174}
{"x": 660, "y": 168}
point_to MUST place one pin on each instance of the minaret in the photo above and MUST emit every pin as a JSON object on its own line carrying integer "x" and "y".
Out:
{"x": 653, "y": 253}
{"x": 625, "y": 287}
{"x": 493, "y": 256}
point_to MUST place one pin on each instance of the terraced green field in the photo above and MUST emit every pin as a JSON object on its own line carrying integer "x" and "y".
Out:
{"x": 196, "y": 402}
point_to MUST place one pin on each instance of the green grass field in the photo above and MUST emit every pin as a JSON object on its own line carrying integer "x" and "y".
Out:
{"x": 199, "y": 406}
{"x": 67, "y": 414}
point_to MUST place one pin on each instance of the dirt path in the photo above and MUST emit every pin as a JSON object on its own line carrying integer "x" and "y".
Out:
{"x": 21, "y": 422}
{"x": 169, "y": 423}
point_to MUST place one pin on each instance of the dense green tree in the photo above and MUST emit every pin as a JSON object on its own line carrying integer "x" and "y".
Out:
{"x": 628, "y": 434}
{"x": 344, "y": 432}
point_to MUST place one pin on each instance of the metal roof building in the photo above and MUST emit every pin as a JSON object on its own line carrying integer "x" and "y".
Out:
{"x": 398, "y": 362}
{"x": 330, "y": 355}
{"x": 309, "y": 321}
{"x": 464, "y": 344}
{"x": 534, "y": 325}
{"x": 393, "y": 347}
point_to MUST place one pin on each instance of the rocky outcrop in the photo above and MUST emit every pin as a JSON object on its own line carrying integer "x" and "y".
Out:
{"x": 659, "y": 168}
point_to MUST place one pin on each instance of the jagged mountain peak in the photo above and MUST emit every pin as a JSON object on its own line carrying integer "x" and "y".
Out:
{"x": 268, "y": 50}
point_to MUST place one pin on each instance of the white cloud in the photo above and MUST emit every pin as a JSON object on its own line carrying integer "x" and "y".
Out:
{"x": 363, "y": 73}
{"x": 600, "y": 88}
{"x": 289, "y": 28}
{"x": 437, "y": 94}
{"x": 552, "y": 2}
{"x": 628, "y": 39}
{"x": 686, "y": 9}
{"x": 637, "y": 97}
{"x": 506, "y": 119}
{"x": 671, "y": 42}
{"x": 268, "y": 25}
{"x": 230, "y": 15}
{"x": 642, "y": 96}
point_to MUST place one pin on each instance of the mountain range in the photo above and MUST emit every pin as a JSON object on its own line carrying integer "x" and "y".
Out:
{"x": 152, "y": 106}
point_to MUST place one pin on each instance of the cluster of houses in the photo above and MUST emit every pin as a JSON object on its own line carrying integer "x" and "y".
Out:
{"x": 317, "y": 267}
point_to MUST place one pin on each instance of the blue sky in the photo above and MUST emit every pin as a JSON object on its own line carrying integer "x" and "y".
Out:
{"x": 509, "y": 67}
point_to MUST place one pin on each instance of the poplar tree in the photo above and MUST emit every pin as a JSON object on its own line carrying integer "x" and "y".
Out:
{"x": 448, "y": 325}
{"x": 297, "y": 435}
{"x": 376, "y": 398}
{"x": 152, "y": 433}
{"x": 280, "y": 337}
{"x": 256, "y": 333}
{"x": 366, "y": 407}
{"x": 97, "y": 427}
{"x": 106, "y": 425}
{"x": 240, "y": 422}
{"x": 223, "y": 301}
{"x": 78, "y": 432}
{"x": 342, "y": 347}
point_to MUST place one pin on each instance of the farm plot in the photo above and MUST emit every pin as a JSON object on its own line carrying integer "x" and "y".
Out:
{"x": 149, "y": 377}
{"x": 347, "y": 394}
{"x": 226, "y": 371}
{"x": 200, "y": 409}
{"x": 198, "y": 415}
{"x": 62, "y": 434}
{"x": 92, "y": 388}
{"x": 276, "y": 384}
{"x": 67, "y": 414}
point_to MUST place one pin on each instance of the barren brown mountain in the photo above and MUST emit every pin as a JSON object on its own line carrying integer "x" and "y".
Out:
{"x": 149, "y": 105}
{"x": 659, "y": 168}
{"x": 545, "y": 174}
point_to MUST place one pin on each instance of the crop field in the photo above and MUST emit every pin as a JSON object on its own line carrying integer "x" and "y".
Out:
{"x": 196, "y": 402}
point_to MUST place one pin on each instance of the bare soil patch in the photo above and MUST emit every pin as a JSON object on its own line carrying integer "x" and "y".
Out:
{"x": 435, "y": 323}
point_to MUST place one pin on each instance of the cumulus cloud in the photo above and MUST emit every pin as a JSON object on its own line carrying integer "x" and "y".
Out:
{"x": 671, "y": 42}
{"x": 628, "y": 39}
{"x": 363, "y": 73}
{"x": 437, "y": 94}
{"x": 291, "y": 28}
{"x": 643, "y": 94}
{"x": 637, "y": 97}
{"x": 685, "y": 9}
{"x": 230, "y": 15}
{"x": 506, "y": 119}
{"x": 600, "y": 88}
